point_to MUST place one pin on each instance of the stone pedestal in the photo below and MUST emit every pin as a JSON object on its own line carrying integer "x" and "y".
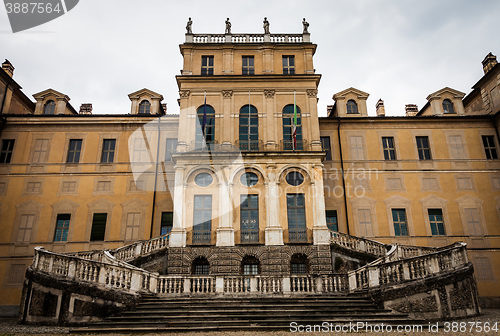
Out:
{"x": 225, "y": 236}
{"x": 274, "y": 236}
{"x": 177, "y": 237}
{"x": 321, "y": 235}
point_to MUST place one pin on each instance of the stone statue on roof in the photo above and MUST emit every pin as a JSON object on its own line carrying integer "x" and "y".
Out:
{"x": 305, "y": 24}
{"x": 188, "y": 26}
{"x": 266, "y": 26}
{"x": 228, "y": 26}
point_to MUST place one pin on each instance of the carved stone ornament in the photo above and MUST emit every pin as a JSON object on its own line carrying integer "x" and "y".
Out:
{"x": 269, "y": 93}
{"x": 227, "y": 93}
{"x": 312, "y": 93}
{"x": 184, "y": 93}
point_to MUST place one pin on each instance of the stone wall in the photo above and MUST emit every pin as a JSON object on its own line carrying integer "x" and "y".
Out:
{"x": 274, "y": 260}
{"x": 447, "y": 296}
{"x": 57, "y": 301}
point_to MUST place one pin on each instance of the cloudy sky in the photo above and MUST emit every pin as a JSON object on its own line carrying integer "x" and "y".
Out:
{"x": 396, "y": 50}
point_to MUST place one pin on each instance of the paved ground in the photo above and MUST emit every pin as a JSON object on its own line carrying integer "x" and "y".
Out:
{"x": 490, "y": 317}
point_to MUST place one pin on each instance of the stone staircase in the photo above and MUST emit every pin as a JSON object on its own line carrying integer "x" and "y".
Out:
{"x": 204, "y": 313}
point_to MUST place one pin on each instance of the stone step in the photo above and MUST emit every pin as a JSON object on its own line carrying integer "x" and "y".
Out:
{"x": 245, "y": 316}
{"x": 243, "y": 313}
{"x": 255, "y": 305}
{"x": 236, "y": 311}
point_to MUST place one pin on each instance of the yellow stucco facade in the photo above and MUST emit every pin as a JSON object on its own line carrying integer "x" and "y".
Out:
{"x": 378, "y": 177}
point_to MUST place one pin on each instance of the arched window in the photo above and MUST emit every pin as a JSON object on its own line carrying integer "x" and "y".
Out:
{"x": 289, "y": 141}
{"x": 205, "y": 128}
{"x": 50, "y": 107}
{"x": 249, "y": 128}
{"x": 145, "y": 107}
{"x": 448, "y": 106}
{"x": 200, "y": 266}
{"x": 299, "y": 264}
{"x": 352, "y": 107}
{"x": 250, "y": 265}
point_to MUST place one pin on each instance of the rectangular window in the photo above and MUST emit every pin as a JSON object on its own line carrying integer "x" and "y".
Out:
{"x": 400, "y": 224}
{"x": 288, "y": 65}
{"x": 62, "y": 227}
{"x": 207, "y": 65}
{"x": 424, "y": 151}
{"x": 394, "y": 183}
{"x": 250, "y": 269}
{"x": 108, "y": 150}
{"x": 137, "y": 185}
{"x": 429, "y": 183}
{"x": 3, "y": 187}
{"x": 249, "y": 218}
{"x": 389, "y": 150}
{"x": 457, "y": 147}
{"x": 25, "y": 228}
{"x": 483, "y": 268}
{"x": 357, "y": 148}
{"x": 436, "y": 221}
{"x": 133, "y": 225}
{"x": 167, "y": 221}
{"x": 464, "y": 183}
{"x": 202, "y": 219}
{"x": 104, "y": 186}
{"x": 74, "y": 150}
{"x": 296, "y": 211}
{"x": 325, "y": 145}
{"x": 472, "y": 218}
{"x": 331, "y": 220}
{"x": 495, "y": 181}
{"x": 489, "y": 147}
{"x": 170, "y": 148}
{"x": 33, "y": 187}
{"x": 365, "y": 222}
{"x": 140, "y": 151}
{"x": 98, "y": 227}
{"x": 6, "y": 152}
{"x": 296, "y": 268}
{"x": 40, "y": 151}
{"x": 247, "y": 65}
{"x": 15, "y": 276}
{"x": 68, "y": 186}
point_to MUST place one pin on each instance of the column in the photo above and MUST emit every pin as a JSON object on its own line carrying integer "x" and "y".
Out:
{"x": 178, "y": 233}
{"x": 274, "y": 231}
{"x": 226, "y": 139}
{"x": 270, "y": 134}
{"x": 225, "y": 231}
{"x": 313, "y": 120}
{"x": 321, "y": 234}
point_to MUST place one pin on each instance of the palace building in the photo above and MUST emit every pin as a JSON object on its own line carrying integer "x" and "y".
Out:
{"x": 247, "y": 180}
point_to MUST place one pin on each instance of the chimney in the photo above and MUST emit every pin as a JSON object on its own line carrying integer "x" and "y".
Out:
{"x": 380, "y": 108}
{"x": 8, "y": 68}
{"x": 86, "y": 108}
{"x": 489, "y": 62}
{"x": 411, "y": 110}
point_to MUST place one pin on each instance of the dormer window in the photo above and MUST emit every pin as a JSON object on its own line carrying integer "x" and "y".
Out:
{"x": 448, "y": 106}
{"x": 145, "y": 107}
{"x": 50, "y": 107}
{"x": 352, "y": 107}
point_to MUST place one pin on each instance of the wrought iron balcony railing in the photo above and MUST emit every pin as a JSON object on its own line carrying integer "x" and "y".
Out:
{"x": 297, "y": 236}
{"x": 201, "y": 237}
{"x": 249, "y": 236}
{"x": 250, "y": 145}
{"x": 290, "y": 145}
